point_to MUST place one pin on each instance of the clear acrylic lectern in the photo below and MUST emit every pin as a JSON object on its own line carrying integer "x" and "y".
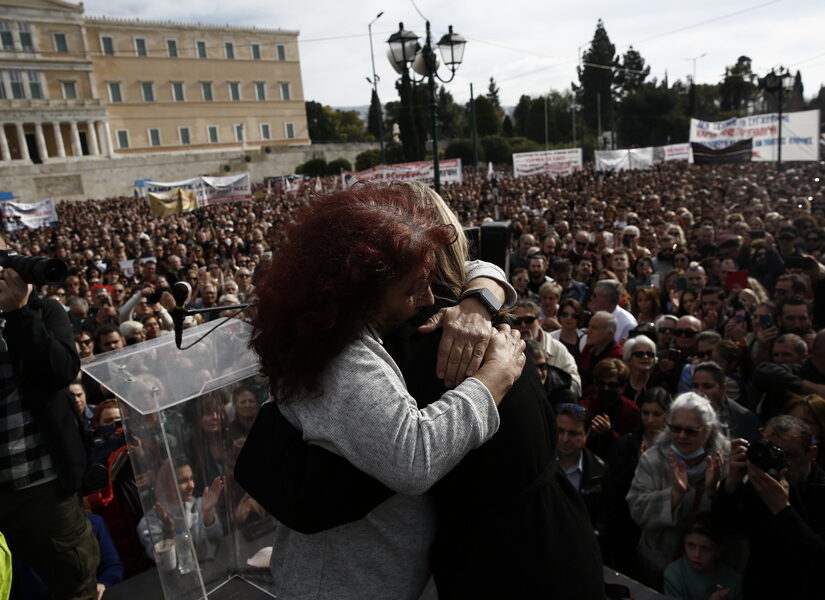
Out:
{"x": 186, "y": 414}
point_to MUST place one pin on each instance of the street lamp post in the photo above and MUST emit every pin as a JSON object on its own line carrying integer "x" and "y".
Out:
{"x": 778, "y": 82}
{"x": 375, "y": 91}
{"x": 694, "y": 59}
{"x": 405, "y": 51}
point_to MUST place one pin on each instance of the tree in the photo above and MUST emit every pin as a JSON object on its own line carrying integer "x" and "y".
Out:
{"x": 326, "y": 124}
{"x": 487, "y": 119}
{"x": 507, "y": 127}
{"x": 632, "y": 74}
{"x": 463, "y": 149}
{"x": 492, "y": 93}
{"x": 451, "y": 120}
{"x": 596, "y": 77}
{"x": 496, "y": 149}
{"x": 335, "y": 166}
{"x": 520, "y": 115}
{"x": 737, "y": 88}
{"x": 367, "y": 159}
{"x": 374, "y": 116}
{"x": 654, "y": 115}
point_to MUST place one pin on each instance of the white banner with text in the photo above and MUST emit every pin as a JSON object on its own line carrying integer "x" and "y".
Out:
{"x": 31, "y": 215}
{"x": 449, "y": 170}
{"x": 549, "y": 162}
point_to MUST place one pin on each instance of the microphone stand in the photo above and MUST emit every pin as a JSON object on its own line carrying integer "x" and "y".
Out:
{"x": 185, "y": 312}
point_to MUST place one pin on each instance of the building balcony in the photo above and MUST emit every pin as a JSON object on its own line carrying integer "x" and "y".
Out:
{"x": 39, "y": 104}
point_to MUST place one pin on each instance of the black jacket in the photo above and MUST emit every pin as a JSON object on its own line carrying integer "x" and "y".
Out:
{"x": 41, "y": 346}
{"x": 508, "y": 519}
{"x": 787, "y": 550}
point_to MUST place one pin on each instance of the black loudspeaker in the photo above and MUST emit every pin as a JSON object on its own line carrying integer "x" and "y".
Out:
{"x": 473, "y": 235}
{"x": 247, "y": 158}
{"x": 227, "y": 168}
{"x": 495, "y": 244}
{"x": 268, "y": 149}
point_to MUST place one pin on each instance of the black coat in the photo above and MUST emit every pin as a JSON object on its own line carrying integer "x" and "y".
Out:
{"x": 509, "y": 522}
{"x": 41, "y": 345}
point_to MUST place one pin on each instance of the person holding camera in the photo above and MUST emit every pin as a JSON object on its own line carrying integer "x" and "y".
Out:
{"x": 42, "y": 456}
{"x": 775, "y": 494}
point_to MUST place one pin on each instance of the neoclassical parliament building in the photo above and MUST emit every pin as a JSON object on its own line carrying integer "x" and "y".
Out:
{"x": 76, "y": 86}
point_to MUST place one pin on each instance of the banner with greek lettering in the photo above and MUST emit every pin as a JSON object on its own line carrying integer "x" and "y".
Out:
{"x": 31, "y": 215}
{"x": 550, "y": 162}
{"x": 449, "y": 169}
{"x": 206, "y": 191}
{"x": 800, "y": 134}
{"x": 672, "y": 152}
{"x": 612, "y": 160}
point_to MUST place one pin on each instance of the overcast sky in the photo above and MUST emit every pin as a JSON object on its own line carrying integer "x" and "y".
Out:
{"x": 529, "y": 46}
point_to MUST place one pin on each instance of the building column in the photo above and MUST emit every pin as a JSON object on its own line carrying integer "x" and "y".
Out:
{"x": 58, "y": 139}
{"x": 107, "y": 133}
{"x": 41, "y": 142}
{"x": 21, "y": 140}
{"x": 77, "y": 150}
{"x": 4, "y": 144}
{"x": 105, "y": 143}
{"x": 91, "y": 134}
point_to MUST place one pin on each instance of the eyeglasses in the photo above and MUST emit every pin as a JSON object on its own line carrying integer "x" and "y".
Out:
{"x": 526, "y": 320}
{"x": 244, "y": 275}
{"x": 688, "y": 431}
{"x": 667, "y": 330}
{"x": 608, "y": 385}
{"x": 684, "y": 332}
{"x": 568, "y": 315}
{"x": 642, "y": 354}
{"x": 569, "y": 408}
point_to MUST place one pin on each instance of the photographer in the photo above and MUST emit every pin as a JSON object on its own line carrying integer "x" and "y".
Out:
{"x": 148, "y": 301}
{"x": 782, "y": 513}
{"x": 42, "y": 459}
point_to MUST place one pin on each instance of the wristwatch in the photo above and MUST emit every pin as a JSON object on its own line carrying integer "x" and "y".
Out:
{"x": 486, "y": 297}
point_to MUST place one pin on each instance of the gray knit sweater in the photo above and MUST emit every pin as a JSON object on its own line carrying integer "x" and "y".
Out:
{"x": 366, "y": 415}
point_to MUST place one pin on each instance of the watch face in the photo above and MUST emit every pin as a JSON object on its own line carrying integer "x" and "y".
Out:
{"x": 486, "y": 297}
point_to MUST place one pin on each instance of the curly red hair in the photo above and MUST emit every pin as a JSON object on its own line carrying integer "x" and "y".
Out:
{"x": 329, "y": 278}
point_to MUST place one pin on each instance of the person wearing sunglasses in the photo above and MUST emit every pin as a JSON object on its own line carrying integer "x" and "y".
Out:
{"x": 665, "y": 326}
{"x": 640, "y": 358}
{"x": 527, "y": 320}
{"x": 611, "y": 414}
{"x": 676, "y": 479}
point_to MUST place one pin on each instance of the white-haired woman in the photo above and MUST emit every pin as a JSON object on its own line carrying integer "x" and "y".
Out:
{"x": 640, "y": 357}
{"x": 675, "y": 479}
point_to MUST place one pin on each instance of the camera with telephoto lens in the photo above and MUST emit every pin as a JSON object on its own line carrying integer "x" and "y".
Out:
{"x": 767, "y": 456}
{"x": 34, "y": 269}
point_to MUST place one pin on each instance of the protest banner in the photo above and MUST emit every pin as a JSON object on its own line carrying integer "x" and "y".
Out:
{"x": 549, "y": 162}
{"x": 612, "y": 160}
{"x": 31, "y": 215}
{"x": 800, "y": 134}
{"x": 738, "y": 152}
{"x": 205, "y": 191}
{"x": 672, "y": 152}
{"x": 449, "y": 169}
{"x": 172, "y": 201}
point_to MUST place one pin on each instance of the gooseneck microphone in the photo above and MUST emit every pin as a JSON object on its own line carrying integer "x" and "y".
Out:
{"x": 180, "y": 292}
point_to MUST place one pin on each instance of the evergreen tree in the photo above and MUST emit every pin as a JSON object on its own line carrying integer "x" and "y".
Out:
{"x": 487, "y": 119}
{"x": 374, "y": 116}
{"x": 633, "y": 73}
{"x": 507, "y": 128}
{"x": 737, "y": 88}
{"x": 596, "y": 77}
{"x": 492, "y": 93}
{"x": 521, "y": 115}
{"x": 451, "y": 120}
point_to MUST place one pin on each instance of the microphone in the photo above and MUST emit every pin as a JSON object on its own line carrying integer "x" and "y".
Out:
{"x": 180, "y": 292}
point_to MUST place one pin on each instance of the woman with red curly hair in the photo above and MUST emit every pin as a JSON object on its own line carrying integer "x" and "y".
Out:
{"x": 355, "y": 265}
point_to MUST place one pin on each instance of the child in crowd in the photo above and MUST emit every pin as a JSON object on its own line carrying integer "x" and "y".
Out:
{"x": 698, "y": 574}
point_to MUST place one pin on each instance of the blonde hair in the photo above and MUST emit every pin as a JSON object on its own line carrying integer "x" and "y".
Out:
{"x": 450, "y": 271}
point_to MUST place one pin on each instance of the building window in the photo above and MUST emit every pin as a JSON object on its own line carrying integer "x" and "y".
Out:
{"x": 107, "y": 46}
{"x": 280, "y": 51}
{"x": 18, "y": 92}
{"x": 6, "y": 37}
{"x": 154, "y": 137}
{"x": 230, "y": 50}
{"x": 260, "y": 90}
{"x": 172, "y": 48}
{"x": 122, "y": 138}
{"x": 289, "y": 131}
{"x": 256, "y": 52}
{"x": 25, "y": 37}
{"x": 238, "y": 132}
{"x": 201, "y": 45}
{"x": 206, "y": 90}
{"x": 140, "y": 47}
{"x": 147, "y": 88}
{"x": 234, "y": 91}
{"x": 285, "y": 94}
{"x": 69, "y": 89}
{"x": 35, "y": 87}
{"x": 114, "y": 92}
{"x": 60, "y": 44}
{"x": 265, "y": 132}
{"x": 212, "y": 134}
{"x": 177, "y": 91}
{"x": 183, "y": 132}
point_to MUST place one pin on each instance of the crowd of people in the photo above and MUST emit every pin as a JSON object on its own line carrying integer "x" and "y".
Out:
{"x": 675, "y": 317}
